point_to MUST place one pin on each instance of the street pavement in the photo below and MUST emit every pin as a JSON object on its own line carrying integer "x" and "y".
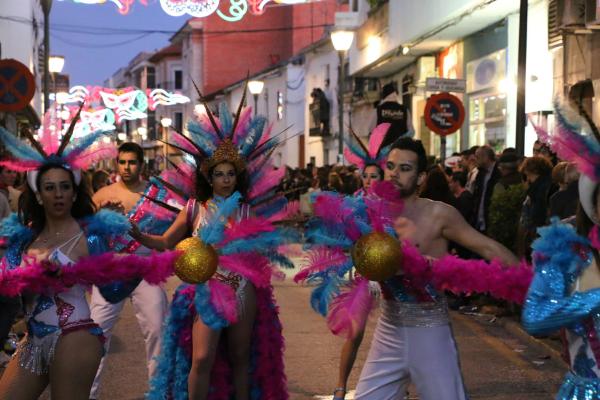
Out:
{"x": 499, "y": 361}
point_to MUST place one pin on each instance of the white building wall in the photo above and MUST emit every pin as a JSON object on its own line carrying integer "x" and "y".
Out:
{"x": 21, "y": 39}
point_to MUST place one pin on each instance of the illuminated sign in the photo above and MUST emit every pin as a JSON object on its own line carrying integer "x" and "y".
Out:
{"x": 200, "y": 8}
{"x": 128, "y": 103}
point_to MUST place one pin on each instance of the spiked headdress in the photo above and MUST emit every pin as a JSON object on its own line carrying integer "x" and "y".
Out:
{"x": 357, "y": 153}
{"x": 52, "y": 149}
{"x": 239, "y": 139}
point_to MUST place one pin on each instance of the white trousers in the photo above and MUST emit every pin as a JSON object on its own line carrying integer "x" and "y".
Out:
{"x": 426, "y": 356}
{"x": 150, "y": 305}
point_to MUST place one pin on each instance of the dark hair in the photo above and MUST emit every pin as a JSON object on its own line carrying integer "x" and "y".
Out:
{"x": 459, "y": 177}
{"x": 416, "y": 146}
{"x": 388, "y": 89}
{"x": 379, "y": 170}
{"x": 436, "y": 186}
{"x": 99, "y": 178}
{"x": 130, "y": 147}
{"x": 204, "y": 190}
{"x": 488, "y": 151}
{"x": 31, "y": 212}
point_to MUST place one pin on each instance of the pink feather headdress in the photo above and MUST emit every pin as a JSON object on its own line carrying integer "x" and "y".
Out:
{"x": 357, "y": 153}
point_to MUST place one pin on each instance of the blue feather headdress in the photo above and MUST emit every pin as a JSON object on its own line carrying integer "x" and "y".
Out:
{"x": 52, "y": 149}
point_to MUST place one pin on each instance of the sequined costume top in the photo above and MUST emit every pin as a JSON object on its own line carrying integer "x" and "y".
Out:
{"x": 50, "y": 315}
{"x": 554, "y": 301}
{"x": 200, "y": 215}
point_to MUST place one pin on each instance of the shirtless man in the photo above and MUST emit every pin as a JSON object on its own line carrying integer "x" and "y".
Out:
{"x": 149, "y": 301}
{"x": 413, "y": 340}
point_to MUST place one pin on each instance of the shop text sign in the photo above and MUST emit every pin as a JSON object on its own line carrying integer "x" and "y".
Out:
{"x": 445, "y": 85}
{"x": 444, "y": 113}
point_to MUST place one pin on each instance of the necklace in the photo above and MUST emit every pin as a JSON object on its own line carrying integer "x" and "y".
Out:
{"x": 48, "y": 237}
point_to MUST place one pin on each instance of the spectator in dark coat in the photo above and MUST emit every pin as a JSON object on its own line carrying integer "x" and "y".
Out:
{"x": 464, "y": 198}
{"x": 487, "y": 177}
{"x": 537, "y": 171}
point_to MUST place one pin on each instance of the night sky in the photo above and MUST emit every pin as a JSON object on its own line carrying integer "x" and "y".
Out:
{"x": 90, "y": 58}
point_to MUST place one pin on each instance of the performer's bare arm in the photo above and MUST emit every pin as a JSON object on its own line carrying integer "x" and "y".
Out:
{"x": 176, "y": 232}
{"x": 456, "y": 229}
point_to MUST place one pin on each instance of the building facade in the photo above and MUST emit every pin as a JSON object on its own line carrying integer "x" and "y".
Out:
{"x": 23, "y": 20}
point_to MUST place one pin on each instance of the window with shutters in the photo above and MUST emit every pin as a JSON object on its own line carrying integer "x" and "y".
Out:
{"x": 554, "y": 32}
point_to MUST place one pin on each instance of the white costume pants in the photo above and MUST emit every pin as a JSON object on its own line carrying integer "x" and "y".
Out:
{"x": 427, "y": 356}
{"x": 150, "y": 304}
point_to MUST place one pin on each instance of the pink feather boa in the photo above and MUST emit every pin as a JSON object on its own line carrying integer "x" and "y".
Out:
{"x": 460, "y": 276}
{"x": 349, "y": 310}
{"x": 43, "y": 277}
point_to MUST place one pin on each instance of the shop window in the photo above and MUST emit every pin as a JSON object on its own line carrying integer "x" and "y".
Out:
{"x": 487, "y": 121}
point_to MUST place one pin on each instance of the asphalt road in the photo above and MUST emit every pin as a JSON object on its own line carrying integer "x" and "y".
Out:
{"x": 499, "y": 362}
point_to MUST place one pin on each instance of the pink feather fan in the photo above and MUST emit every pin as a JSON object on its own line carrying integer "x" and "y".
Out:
{"x": 320, "y": 259}
{"x": 349, "y": 311}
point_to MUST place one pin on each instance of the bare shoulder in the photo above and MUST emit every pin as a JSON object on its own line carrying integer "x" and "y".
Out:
{"x": 435, "y": 208}
{"x": 107, "y": 192}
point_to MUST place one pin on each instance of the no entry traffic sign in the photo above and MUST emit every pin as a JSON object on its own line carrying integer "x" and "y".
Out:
{"x": 17, "y": 85}
{"x": 444, "y": 113}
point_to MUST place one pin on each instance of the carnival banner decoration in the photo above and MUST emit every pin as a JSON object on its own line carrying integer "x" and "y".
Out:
{"x": 234, "y": 12}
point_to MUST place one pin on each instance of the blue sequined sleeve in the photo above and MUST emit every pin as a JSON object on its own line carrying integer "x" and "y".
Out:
{"x": 560, "y": 255}
{"x": 548, "y": 307}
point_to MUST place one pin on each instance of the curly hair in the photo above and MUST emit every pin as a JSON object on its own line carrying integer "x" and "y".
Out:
{"x": 537, "y": 165}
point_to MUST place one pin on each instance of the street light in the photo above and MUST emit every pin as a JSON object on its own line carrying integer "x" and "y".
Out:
{"x": 56, "y": 64}
{"x": 142, "y": 131}
{"x": 256, "y": 87}
{"x": 342, "y": 40}
{"x": 166, "y": 122}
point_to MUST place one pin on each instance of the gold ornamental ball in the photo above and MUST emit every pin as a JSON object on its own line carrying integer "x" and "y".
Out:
{"x": 377, "y": 256}
{"x": 198, "y": 262}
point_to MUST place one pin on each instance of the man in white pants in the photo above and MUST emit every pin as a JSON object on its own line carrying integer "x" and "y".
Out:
{"x": 149, "y": 301}
{"x": 413, "y": 340}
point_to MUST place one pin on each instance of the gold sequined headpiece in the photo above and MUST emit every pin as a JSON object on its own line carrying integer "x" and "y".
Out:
{"x": 226, "y": 152}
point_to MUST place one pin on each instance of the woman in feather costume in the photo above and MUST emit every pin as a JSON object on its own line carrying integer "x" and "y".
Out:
{"x": 370, "y": 161}
{"x": 565, "y": 292}
{"x": 223, "y": 337}
{"x": 56, "y": 226}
